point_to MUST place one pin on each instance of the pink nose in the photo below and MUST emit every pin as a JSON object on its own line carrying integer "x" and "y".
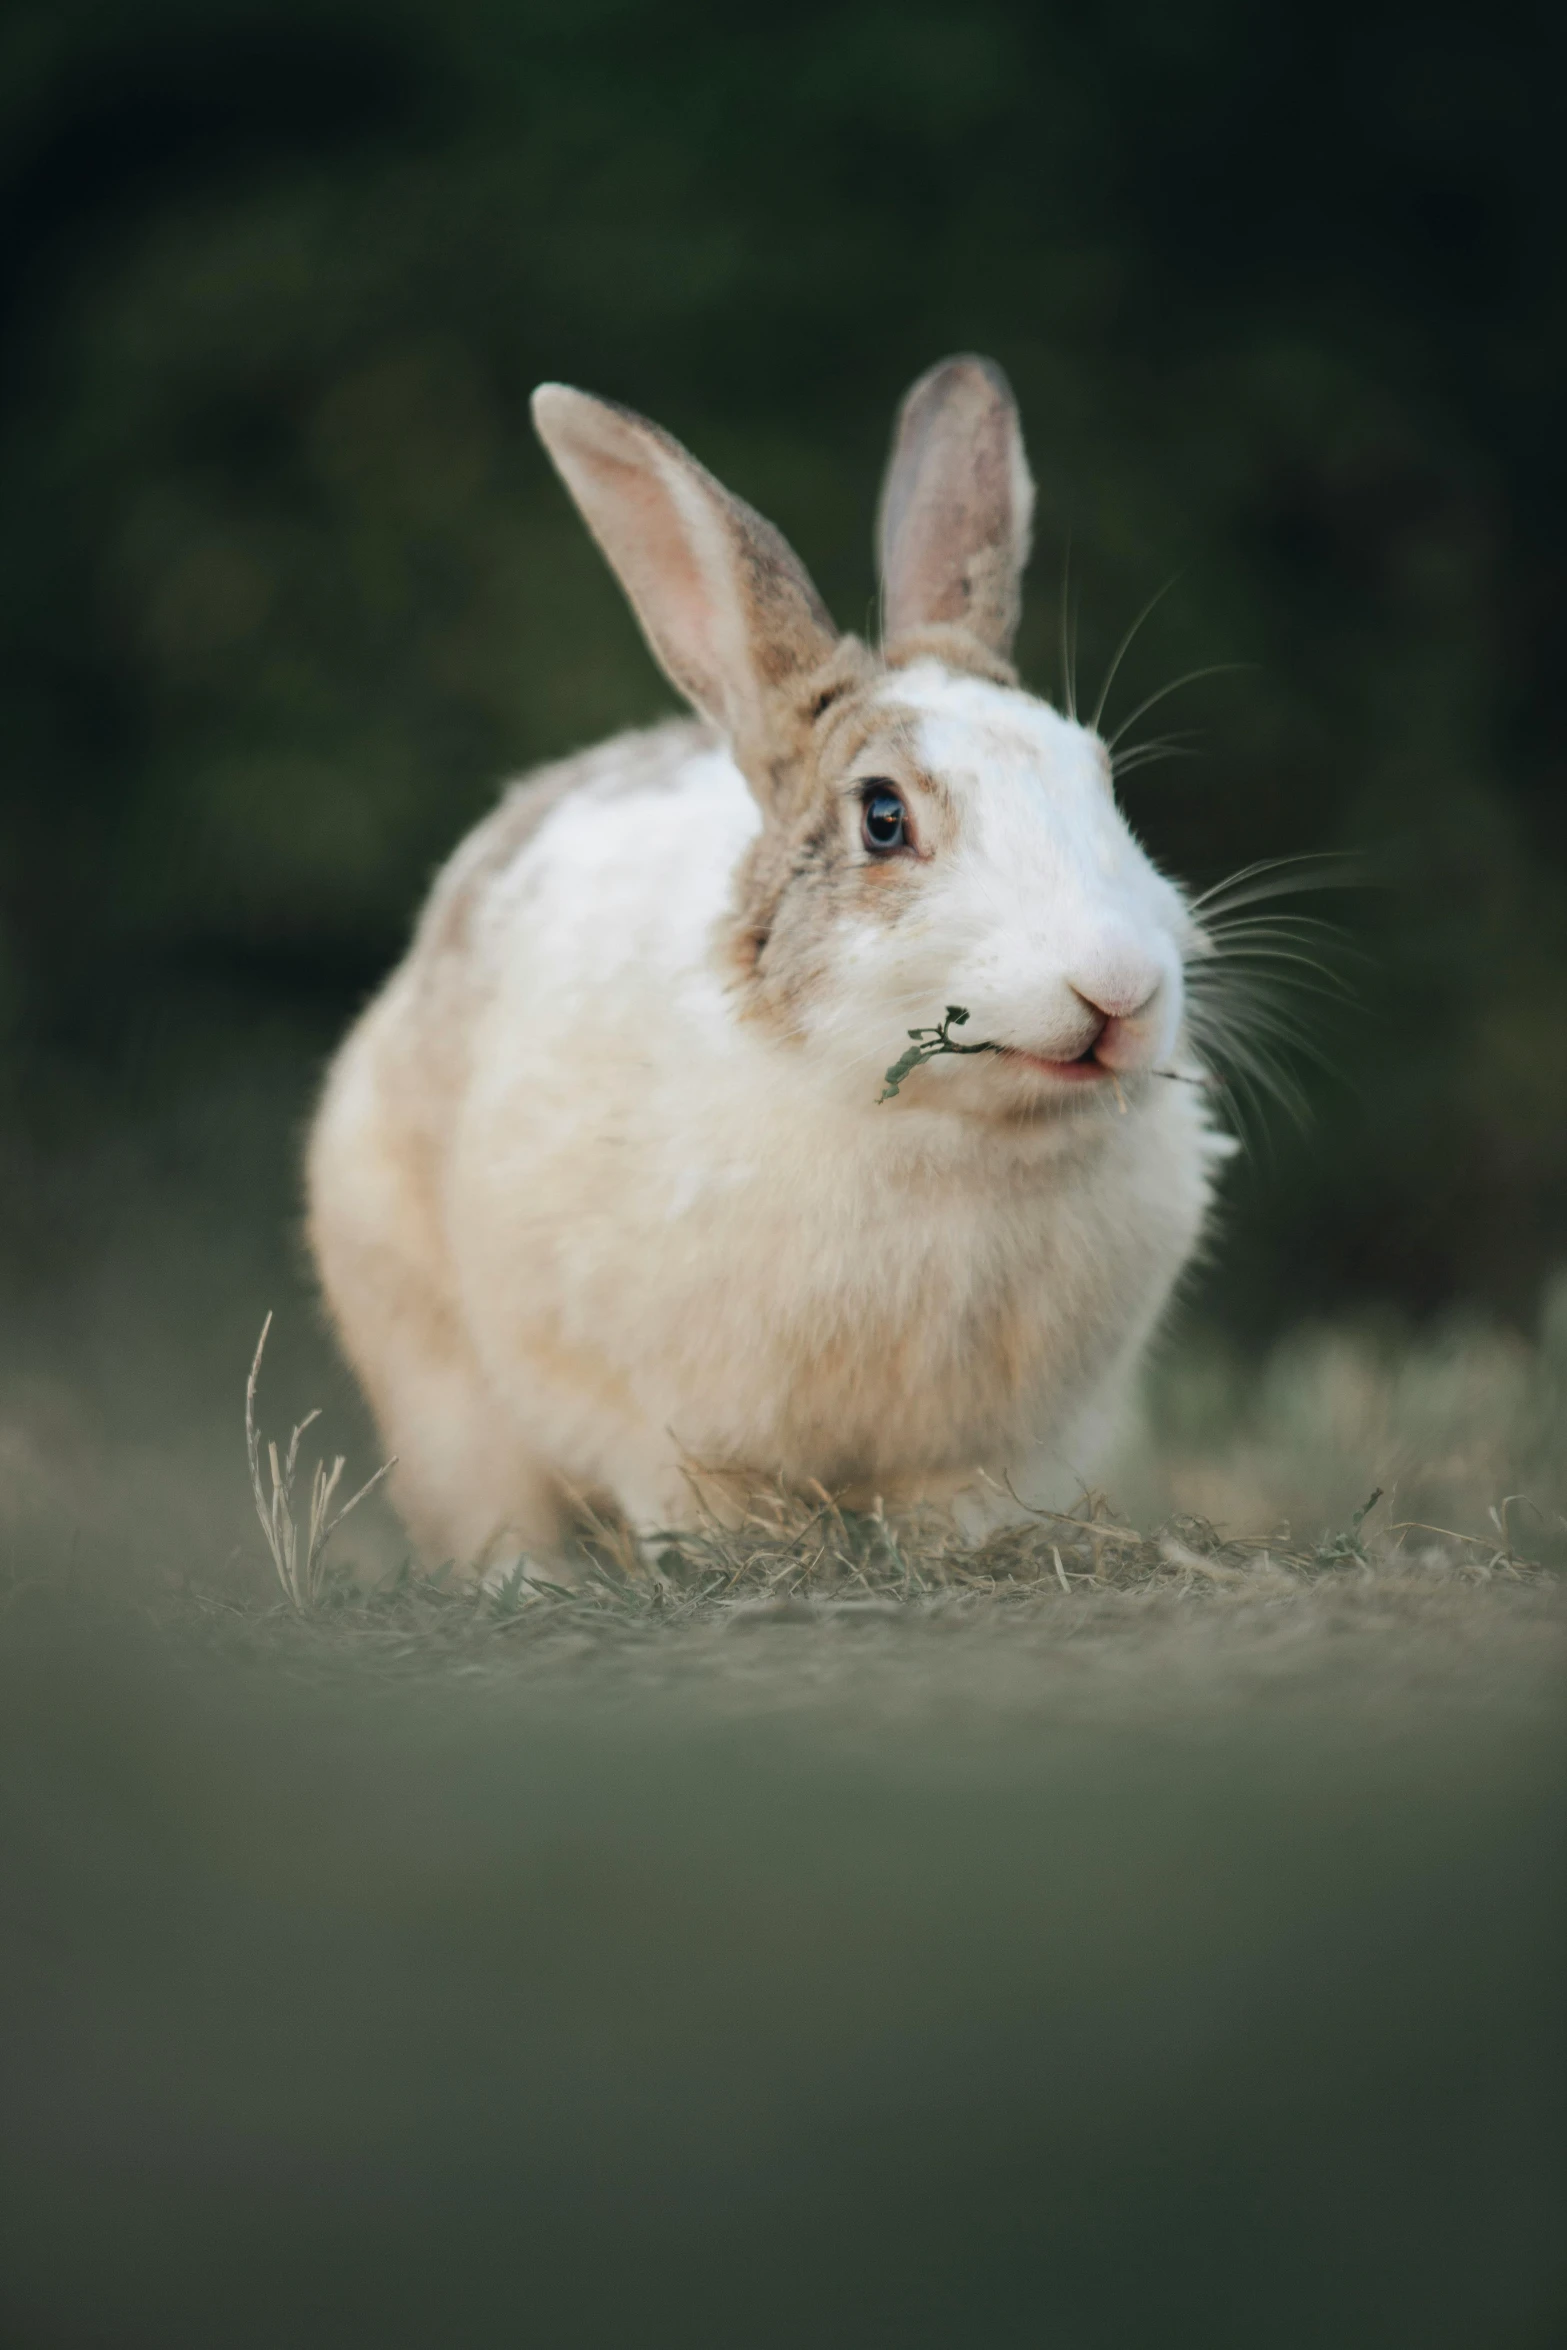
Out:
{"x": 1119, "y": 998}
{"x": 1118, "y": 1042}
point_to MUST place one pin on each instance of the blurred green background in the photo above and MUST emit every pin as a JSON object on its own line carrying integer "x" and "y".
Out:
{"x": 289, "y": 588}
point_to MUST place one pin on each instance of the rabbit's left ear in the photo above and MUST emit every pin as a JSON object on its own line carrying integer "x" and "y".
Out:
{"x": 724, "y": 602}
{"x": 957, "y": 509}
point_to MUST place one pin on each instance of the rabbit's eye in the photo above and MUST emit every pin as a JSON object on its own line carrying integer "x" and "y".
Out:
{"x": 885, "y": 822}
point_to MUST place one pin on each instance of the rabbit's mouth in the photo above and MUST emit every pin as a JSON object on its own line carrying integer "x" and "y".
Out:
{"x": 1084, "y": 1070}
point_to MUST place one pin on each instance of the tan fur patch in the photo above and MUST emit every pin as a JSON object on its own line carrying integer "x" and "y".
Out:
{"x": 577, "y": 1372}
{"x": 953, "y": 646}
{"x": 804, "y": 872}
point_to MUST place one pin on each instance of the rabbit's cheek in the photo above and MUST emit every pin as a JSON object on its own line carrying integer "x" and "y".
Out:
{"x": 831, "y": 921}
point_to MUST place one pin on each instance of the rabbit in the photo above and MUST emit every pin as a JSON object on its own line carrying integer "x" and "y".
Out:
{"x": 602, "y": 1190}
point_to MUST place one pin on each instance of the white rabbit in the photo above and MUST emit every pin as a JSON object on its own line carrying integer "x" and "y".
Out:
{"x": 601, "y": 1185}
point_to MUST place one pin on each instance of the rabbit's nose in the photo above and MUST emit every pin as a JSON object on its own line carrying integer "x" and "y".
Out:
{"x": 1119, "y": 995}
{"x": 1112, "y": 971}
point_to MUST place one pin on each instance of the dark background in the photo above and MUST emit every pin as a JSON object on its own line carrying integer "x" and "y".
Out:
{"x": 288, "y": 587}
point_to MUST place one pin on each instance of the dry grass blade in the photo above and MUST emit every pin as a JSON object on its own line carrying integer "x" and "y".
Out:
{"x": 299, "y": 1568}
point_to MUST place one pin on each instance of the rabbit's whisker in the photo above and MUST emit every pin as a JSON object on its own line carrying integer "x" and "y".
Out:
{"x": 1192, "y": 677}
{"x": 1278, "y": 877}
{"x": 1124, "y": 763}
{"x": 1125, "y": 646}
{"x": 1068, "y": 634}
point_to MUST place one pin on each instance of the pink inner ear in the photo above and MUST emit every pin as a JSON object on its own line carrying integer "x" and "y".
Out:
{"x": 672, "y": 594}
{"x": 636, "y": 516}
{"x": 935, "y": 578}
{"x": 723, "y": 602}
{"x": 957, "y": 507}
{"x": 956, "y": 522}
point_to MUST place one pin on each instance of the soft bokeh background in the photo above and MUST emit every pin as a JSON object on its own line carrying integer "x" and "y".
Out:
{"x": 1180, "y": 1965}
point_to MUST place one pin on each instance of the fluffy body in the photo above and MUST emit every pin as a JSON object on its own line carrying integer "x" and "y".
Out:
{"x": 602, "y": 1192}
{"x": 587, "y": 1216}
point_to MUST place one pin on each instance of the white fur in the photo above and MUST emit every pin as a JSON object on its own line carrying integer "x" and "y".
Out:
{"x": 1047, "y": 901}
{"x": 659, "y": 1233}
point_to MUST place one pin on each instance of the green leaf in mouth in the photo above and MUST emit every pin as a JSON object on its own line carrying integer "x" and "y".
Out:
{"x": 925, "y": 1045}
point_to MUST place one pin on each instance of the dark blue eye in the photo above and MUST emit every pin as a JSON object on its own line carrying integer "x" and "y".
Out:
{"x": 884, "y": 824}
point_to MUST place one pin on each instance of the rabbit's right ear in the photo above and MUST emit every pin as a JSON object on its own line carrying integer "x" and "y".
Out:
{"x": 957, "y": 509}
{"x": 724, "y": 602}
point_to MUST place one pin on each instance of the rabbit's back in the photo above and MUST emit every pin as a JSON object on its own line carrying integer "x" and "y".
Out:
{"x": 476, "y": 891}
{"x": 511, "y": 928}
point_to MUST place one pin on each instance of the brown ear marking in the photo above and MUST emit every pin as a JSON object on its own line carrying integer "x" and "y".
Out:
{"x": 953, "y": 646}
{"x": 957, "y": 507}
{"x": 821, "y": 698}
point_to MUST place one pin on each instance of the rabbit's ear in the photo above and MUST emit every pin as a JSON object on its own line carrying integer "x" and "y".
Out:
{"x": 723, "y": 600}
{"x": 956, "y": 508}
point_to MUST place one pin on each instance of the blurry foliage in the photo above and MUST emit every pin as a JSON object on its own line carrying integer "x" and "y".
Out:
{"x": 289, "y": 587}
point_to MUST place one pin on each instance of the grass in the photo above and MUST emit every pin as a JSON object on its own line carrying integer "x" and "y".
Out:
{"x": 1081, "y": 1580}
{"x": 297, "y": 1552}
{"x": 1460, "y": 1445}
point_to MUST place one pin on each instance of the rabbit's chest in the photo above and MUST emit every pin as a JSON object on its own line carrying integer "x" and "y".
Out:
{"x": 788, "y": 1305}
{"x": 935, "y": 1337}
